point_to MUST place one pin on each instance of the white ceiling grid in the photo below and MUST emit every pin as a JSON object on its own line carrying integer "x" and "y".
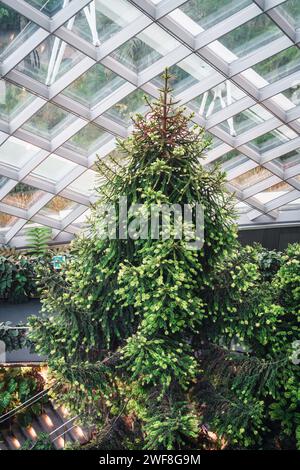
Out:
{"x": 240, "y": 105}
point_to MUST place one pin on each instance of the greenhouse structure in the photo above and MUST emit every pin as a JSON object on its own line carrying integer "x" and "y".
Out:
{"x": 149, "y": 227}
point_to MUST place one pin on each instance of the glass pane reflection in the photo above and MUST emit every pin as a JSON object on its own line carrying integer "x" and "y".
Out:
{"x": 15, "y": 29}
{"x": 274, "y": 192}
{"x": 22, "y": 196}
{"x": 50, "y": 7}
{"x": 58, "y": 208}
{"x": 12, "y": 100}
{"x": 145, "y": 48}
{"x": 6, "y": 221}
{"x": 249, "y": 37}
{"x": 47, "y": 65}
{"x": 208, "y": 13}
{"x": 49, "y": 121}
{"x": 14, "y": 153}
{"x": 94, "y": 85}
{"x": 111, "y": 17}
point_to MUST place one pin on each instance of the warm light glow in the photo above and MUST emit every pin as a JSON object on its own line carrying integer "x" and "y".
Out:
{"x": 48, "y": 420}
{"x": 60, "y": 442}
{"x": 15, "y": 442}
{"x": 44, "y": 373}
{"x": 64, "y": 411}
{"x": 212, "y": 436}
{"x": 31, "y": 432}
{"x": 79, "y": 432}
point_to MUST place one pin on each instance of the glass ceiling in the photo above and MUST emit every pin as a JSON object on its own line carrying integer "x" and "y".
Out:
{"x": 74, "y": 71}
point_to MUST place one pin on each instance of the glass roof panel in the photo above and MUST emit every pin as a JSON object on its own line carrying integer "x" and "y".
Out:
{"x": 12, "y": 100}
{"x": 122, "y": 111}
{"x": 88, "y": 139}
{"x": 85, "y": 184}
{"x": 49, "y": 121}
{"x": 208, "y": 13}
{"x": 111, "y": 17}
{"x": 53, "y": 169}
{"x": 293, "y": 205}
{"x": 273, "y": 139}
{"x": 288, "y": 160}
{"x": 136, "y": 43}
{"x": 58, "y": 208}
{"x": 82, "y": 218}
{"x": 217, "y": 98}
{"x": 23, "y": 196}
{"x": 146, "y": 48}
{"x": 242, "y": 207}
{"x": 248, "y": 37}
{"x": 274, "y": 192}
{"x": 3, "y": 181}
{"x": 293, "y": 94}
{"x": 15, "y": 153}
{"x": 215, "y": 141}
{"x": 254, "y": 176}
{"x": 291, "y": 11}
{"x": 186, "y": 73}
{"x": 94, "y": 85}
{"x": 50, "y": 7}
{"x": 230, "y": 160}
{"x": 15, "y": 30}
{"x": 50, "y": 60}
{"x": 246, "y": 120}
{"x": 6, "y": 221}
{"x": 277, "y": 66}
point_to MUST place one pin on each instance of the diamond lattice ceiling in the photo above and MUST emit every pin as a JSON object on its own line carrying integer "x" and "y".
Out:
{"x": 73, "y": 71}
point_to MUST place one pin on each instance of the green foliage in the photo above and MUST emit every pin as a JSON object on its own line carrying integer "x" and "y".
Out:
{"x": 171, "y": 426}
{"x": 269, "y": 261}
{"x": 139, "y": 299}
{"x": 43, "y": 442}
{"x": 18, "y": 278}
{"x": 256, "y": 390}
{"x": 38, "y": 239}
{"x": 13, "y": 338}
{"x": 16, "y": 386}
{"x": 146, "y": 329}
{"x": 17, "y": 281}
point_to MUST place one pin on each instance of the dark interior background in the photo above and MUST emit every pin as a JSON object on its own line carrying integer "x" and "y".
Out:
{"x": 271, "y": 238}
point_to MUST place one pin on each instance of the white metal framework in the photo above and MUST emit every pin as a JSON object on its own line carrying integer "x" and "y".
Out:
{"x": 72, "y": 72}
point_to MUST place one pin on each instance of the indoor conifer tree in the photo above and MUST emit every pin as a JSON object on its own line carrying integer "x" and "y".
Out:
{"x": 124, "y": 319}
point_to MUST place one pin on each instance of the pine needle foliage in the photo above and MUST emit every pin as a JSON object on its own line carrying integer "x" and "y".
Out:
{"x": 128, "y": 322}
{"x": 128, "y": 309}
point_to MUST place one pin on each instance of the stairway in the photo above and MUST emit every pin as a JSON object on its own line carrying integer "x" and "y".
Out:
{"x": 54, "y": 421}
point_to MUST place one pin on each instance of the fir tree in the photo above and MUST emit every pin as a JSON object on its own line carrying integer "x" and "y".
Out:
{"x": 126, "y": 319}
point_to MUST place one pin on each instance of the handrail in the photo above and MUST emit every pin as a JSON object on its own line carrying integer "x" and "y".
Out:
{"x": 59, "y": 427}
{"x": 15, "y": 327}
{"x": 25, "y": 404}
{"x": 62, "y": 425}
